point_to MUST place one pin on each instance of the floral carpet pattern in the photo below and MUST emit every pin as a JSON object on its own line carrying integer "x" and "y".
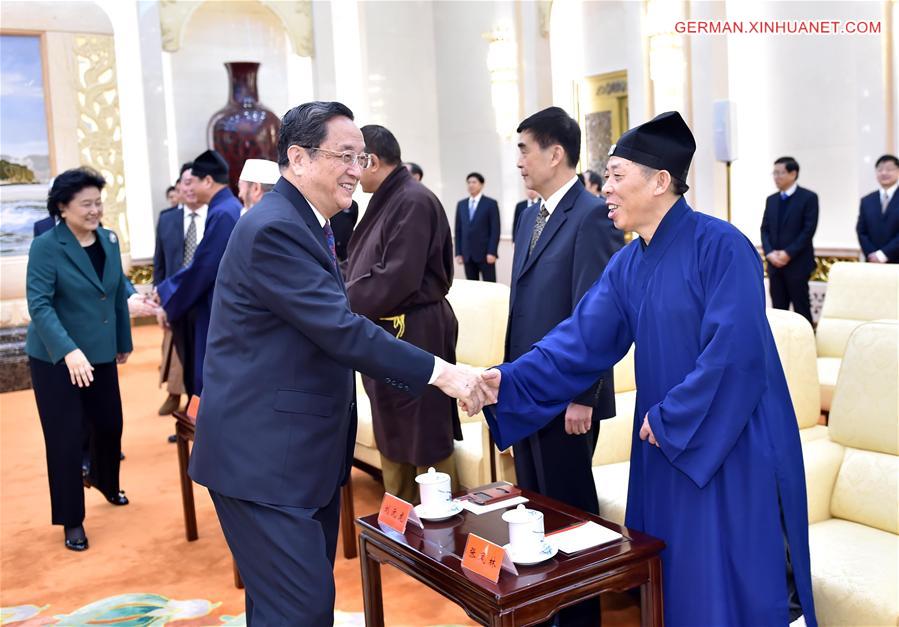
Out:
{"x": 143, "y": 610}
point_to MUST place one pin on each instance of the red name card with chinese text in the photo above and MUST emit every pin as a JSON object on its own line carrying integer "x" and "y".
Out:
{"x": 193, "y": 407}
{"x": 397, "y": 513}
{"x": 486, "y": 559}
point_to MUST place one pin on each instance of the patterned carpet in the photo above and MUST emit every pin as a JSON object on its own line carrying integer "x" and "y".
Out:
{"x": 144, "y": 610}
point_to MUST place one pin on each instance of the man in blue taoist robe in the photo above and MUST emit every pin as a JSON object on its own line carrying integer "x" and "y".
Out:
{"x": 186, "y": 296}
{"x": 716, "y": 463}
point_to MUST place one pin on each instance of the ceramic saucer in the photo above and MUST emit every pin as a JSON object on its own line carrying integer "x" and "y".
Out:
{"x": 546, "y": 551}
{"x": 436, "y": 515}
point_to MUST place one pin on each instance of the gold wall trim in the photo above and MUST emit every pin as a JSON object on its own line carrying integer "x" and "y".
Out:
{"x": 603, "y": 113}
{"x": 295, "y": 16}
{"x": 824, "y": 264}
{"x": 99, "y": 125}
{"x": 824, "y": 260}
{"x": 141, "y": 274}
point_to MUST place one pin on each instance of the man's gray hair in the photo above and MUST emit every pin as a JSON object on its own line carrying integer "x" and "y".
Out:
{"x": 305, "y": 125}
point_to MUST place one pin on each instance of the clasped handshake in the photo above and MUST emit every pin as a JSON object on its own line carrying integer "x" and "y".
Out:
{"x": 472, "y": 388}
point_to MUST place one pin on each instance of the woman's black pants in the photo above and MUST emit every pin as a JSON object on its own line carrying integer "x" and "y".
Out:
{"x": 65, "y": 411}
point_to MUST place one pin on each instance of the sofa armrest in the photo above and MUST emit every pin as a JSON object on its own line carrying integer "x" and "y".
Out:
{"x": 823, "y": 459}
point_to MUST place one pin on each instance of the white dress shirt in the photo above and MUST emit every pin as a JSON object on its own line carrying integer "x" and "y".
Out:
{"x": 556, "y": 197}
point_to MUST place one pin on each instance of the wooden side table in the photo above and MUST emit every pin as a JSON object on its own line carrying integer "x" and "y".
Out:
{"x": 433, "y": 556}
{"x": 185, "y": 429}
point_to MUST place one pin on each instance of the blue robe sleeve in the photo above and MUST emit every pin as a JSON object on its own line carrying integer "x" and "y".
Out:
{"x": 538, "y": 386}
{"x": 183, "y": 290}
{"x": 699, "y": 420}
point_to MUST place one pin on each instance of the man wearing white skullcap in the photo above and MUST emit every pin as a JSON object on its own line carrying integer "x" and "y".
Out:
{"x": 257, "y": 177}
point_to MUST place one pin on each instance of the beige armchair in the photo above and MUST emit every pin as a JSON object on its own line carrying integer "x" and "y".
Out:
{"x": 482, "y": 310}
{"x": 611, "y": 459}
{"x": 853, "y": 486}
{"x": 795, "y": 343}
{"x": 856, "y": 293}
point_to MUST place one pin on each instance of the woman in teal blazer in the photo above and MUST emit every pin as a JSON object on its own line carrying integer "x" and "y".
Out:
{"x": 80, "y": 330}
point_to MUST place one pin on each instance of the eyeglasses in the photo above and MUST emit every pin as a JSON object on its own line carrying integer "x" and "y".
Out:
{"x": 348, "y": 157}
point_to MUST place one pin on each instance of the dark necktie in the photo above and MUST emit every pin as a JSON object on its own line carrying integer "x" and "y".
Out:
{"x": 190, "y": 241}
{"x": 884, "y": 202}
{"x": 542, "y": 215}
{"x": 783, "y": 195}
{"x": 329, "y": 235}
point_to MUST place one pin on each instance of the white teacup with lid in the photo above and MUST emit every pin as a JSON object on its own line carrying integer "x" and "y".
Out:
{"x": 525, "y": 529}
{"x": 434, "y": 489}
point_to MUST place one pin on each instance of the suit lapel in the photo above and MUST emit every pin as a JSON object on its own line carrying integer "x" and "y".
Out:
{"x": 521, "y": 250}
{"x": 892, "y": 207}
{"x": 553, "y": 224}
{"x": 306, "y": 212}
{"x": 74, "y": 251}
{"x": 775, "y": 222}
{"x": 110, "y": 276}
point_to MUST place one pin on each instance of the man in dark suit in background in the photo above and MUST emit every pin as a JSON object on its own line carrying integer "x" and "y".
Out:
{"x": 277, "y": 422}
{"x": 593, "y": 182}
{"x": 415, "y": 170}
{"x": 532, "y": 198}
{"x": 788, "y": 226}
{"x": 563, "y": 247}
{"x": 343, "y": 223}
{"x": 43, "y": 225}
{"x": 168, "y": 258}
{"x": 878, "y": 215}
{"x": 186, "y": 296}
{"x": 477, "y": 231}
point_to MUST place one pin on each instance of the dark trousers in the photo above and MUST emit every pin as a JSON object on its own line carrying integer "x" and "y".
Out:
{"x": 480, "y": 269}
{"x": 559, "y": 466}
{"x": 285, "y": 556}
{"x": 184, "y": 337}
{"x": 65, "y": 411}
{"x": 787, "y": 289}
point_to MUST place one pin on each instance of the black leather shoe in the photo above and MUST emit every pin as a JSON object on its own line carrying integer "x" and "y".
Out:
{"x": 76, "y": 540}
{"x": 77, "y": 545}
{"x": 118, "y": 499}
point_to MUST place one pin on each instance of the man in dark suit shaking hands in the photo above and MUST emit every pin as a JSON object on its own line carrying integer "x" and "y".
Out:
{"x": 477, "y": 231}
{"x": 788, "y": 226}
{"x": 277, "y": 421}
{"x": 878, "y": 215}
{"x": 562, "y": 247}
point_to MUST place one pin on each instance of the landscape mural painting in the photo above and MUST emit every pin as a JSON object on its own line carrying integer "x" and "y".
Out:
{"x": 24, "y": 142}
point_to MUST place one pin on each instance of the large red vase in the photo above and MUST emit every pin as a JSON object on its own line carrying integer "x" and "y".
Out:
{"x": 243, "y": 129}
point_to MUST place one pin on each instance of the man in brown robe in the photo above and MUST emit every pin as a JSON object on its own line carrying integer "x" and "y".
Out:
{"x": 398, "y": 272}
